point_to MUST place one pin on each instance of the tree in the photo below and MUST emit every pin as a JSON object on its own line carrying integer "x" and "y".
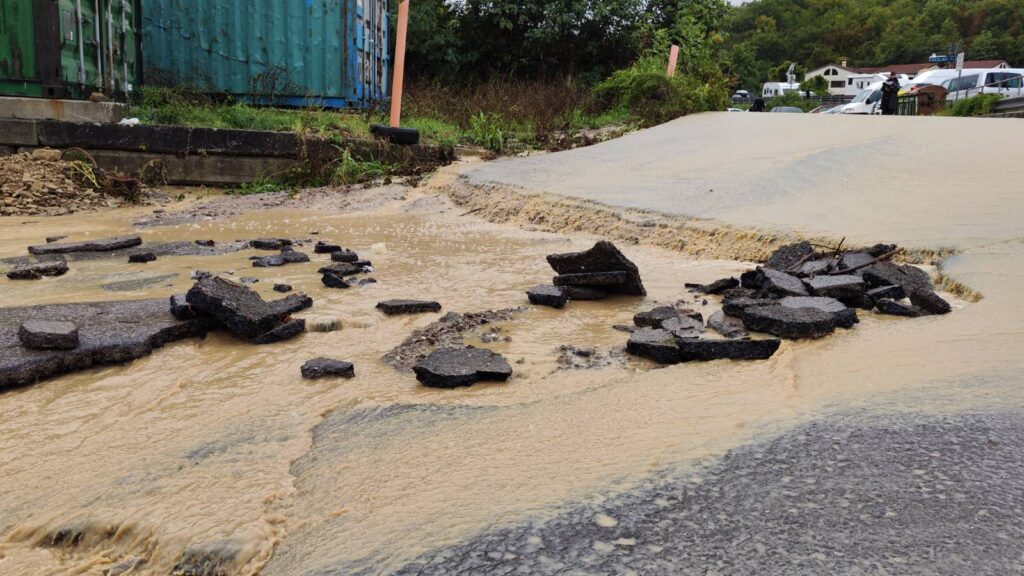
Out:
{"x": 816, "y": 84}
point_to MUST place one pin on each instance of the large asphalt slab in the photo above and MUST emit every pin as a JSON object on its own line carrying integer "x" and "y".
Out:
{"x": 894, "y": 494}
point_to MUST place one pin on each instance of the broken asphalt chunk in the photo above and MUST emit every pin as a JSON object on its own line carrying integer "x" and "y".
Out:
{"x": 48, "y": 335}
{"x": 344, "y": 256}
{"x": 142, "y": 258}
{"x": 788, "y": 256}
{"x": 238, "y": 308}
{"x": 285, "y": 257}
{"x": 552, "y": 296}
{"x": 929, "y": 301}
{"x": 455, "y": 367}
{"x": 654, "y": 344}
{"x": 786, "y": 322}
{"x": 396, "y": 307}
{"x": 716, "y": 287}
{"x": 603, "y": 257}
{"x": 603, "y": 279}
{"x": 38, "y": 270}
{"x": 270, "y": 243}
{"x": 325, "y": 248}
{"x": 654, "y": 318}
{"x": 707, "y": 350}
{"x": 783, "y": 284}
{"x": 842, "y": 316}
{"x": 727, "y": 326}
{"x": 846, "y": 287}
{"x": 893, "y": 308}
{"x": 327, "y": 368}
{"x": 102, "y": 245}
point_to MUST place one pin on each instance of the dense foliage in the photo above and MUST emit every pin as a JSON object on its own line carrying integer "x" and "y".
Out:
{"x": 468, "y": 41}
{"x": 765, "y": 35}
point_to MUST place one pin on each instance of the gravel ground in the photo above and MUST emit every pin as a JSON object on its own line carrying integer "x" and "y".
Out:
{"x": 858, "y": 495}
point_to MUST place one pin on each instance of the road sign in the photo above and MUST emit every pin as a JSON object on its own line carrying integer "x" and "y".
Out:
{"x": 960, "y": 61}
{"x": 941, "y": 59}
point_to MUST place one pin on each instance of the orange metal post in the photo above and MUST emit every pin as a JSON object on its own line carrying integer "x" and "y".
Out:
{"x": 396, "y": 84}
{"x": 673, "y": 58}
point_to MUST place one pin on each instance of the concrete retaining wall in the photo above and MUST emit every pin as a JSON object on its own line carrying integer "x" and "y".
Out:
{"x": 205, "y": 155}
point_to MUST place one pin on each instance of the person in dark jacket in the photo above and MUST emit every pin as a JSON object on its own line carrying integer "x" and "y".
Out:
{"x": 758, "y": 105}
{"x": 890, "y": 95}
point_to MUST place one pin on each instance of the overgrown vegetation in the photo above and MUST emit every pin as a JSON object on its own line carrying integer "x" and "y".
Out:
{"x": 980, "y": 105}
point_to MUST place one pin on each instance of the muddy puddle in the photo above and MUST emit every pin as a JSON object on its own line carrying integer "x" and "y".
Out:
{"x": 217, "y": 450}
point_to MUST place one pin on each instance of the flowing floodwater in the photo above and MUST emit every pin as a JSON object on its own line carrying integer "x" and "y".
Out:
{"x": 220, "y": 447}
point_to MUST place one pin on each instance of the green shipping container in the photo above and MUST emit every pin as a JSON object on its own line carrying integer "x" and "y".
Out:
{"x": 68, "y": 48}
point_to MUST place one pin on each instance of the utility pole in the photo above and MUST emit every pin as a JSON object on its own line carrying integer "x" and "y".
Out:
{"x": 396, "y": 84}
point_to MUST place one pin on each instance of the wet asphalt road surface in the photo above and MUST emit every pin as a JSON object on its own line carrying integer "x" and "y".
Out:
{"x": 895, "y": 494}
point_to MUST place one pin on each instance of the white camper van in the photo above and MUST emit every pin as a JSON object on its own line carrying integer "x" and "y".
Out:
{"x": 773, "y": 89}
{"x": 1005, "y": 81}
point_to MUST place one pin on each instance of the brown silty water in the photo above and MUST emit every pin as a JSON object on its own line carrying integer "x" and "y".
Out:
{"x": 221, "y": 444}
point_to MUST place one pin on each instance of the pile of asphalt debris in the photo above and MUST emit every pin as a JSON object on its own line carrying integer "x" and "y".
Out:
{"x": 799, "y": 293}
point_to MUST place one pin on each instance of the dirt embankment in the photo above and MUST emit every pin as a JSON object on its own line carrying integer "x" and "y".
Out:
{"x": 40, "y": 183}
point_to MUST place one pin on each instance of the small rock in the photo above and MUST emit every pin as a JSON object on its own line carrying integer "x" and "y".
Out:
{"x": 38, "y": 270}
{"x": 584, "y": 293}
{"x": 327, "y": 368}
{"x": 683, "y": 327}
{"x": 141, "y": 258}
{"x": 249, "y": 280}
{"x": 344, "y": 256}
{"x": 285, "y": 257}
{"x": 783, "y": 284}
{"x": 48, "y": 335}
{"x": 929, "y": 301}
{"x": 180, "y": 308}
{"x": 334, "y": 280}
{"x": 654, "y": 344}
{"x": 889, "y": 274}
{"x": 282, "y": 288}
{"x": 291, "y": 304}
{"x": 396, "y": 307}
{"x": 342, "y": 269}
{"x": 270, "y": 243}
{"x": 654, "y": 318}
{"x": 847, "y": 287}
{"x": 552, "y": 296}
{"x": 752, "y": 279}
{"x": 454, "y": 367}
{"x": 727, "y": 326}
{"x": 716, "y": 287}
{"x": 624, "y": 328}
{"x": 842, "y": 316}
{"x": 707, "y": 350}
{"x": 285, "y": 331}
{"x": 893, "y": 308}
{"x": 788, "y": 256}
{"x": 786, "y": 322}
{"x": 206, "y": 243}
{"x": 200, "y": 275}
{"x": 325, "y": 248}
{"x": 816, "y": 267}
{"x": 52, "y": 239}
{"x": 855, "y": 259}
{"x": 603, "y": 257}
{"x": 735, "y": 306}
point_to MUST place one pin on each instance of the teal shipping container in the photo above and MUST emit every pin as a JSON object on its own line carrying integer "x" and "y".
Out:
{"x": 68, "y": 48}
{"x": 329, "y": 53}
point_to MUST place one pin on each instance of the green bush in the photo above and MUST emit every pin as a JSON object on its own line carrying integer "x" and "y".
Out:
{"x": 791, "y": 98}
{"x": 980, "y": 105}
{"x": 645, "y": 92}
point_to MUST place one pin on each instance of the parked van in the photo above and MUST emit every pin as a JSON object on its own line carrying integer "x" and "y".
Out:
{"x": 772, "y": 89}
{"x": 868, "y": 101}
{"x": 929, "y": 78}
{"x": 1005, "y": 81}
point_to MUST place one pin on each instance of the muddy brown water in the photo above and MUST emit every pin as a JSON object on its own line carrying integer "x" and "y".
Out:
{"x": 216, "y": 441}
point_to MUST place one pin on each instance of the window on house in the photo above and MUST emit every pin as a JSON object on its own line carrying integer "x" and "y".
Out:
{"x": 849, "y": 81}
{"x": 838, "y": 84}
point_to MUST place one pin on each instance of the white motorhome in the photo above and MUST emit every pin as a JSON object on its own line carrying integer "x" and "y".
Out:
{"x": 1005, "y": 81}
{"x": 773, "y": 89}
{"x": 929, "y": 77}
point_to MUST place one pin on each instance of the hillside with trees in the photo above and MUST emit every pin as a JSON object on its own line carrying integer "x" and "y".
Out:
{"x": 763, "y": 36}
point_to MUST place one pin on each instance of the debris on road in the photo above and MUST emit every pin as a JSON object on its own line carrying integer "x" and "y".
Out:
{"x": 449, "y": 331}
{"x": 327, "y": 368}
{"x": 48, "y": 335}
{"x": 551, "y": 296}
{"x": 243, "y": 311}
{"x": 396, "y": 307}
{"x": 142, "y": 258}
{"x": 101, "y": 245}
{"x": 457, "y": 367}
{"x": 603, "y": 266}
{"x": 38, "y": 270}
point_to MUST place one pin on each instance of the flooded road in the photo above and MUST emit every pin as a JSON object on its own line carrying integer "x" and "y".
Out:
{"x": 218, "y": 450}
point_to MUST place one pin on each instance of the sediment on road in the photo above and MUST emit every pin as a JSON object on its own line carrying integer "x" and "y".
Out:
{"x": 700, "y": 237}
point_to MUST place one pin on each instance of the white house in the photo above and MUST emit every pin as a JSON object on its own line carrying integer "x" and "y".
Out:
{"x": 837, "y": 75}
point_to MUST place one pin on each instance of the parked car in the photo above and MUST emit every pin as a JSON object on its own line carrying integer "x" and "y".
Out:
{"x": 822, "y": 109}
{"x": 1005, "y": 81}
{"x": 735, "y": 110}
{"x": 740, "y": 95}
{"x": 787, "y": 109}
{"x": 868, "y": 101}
